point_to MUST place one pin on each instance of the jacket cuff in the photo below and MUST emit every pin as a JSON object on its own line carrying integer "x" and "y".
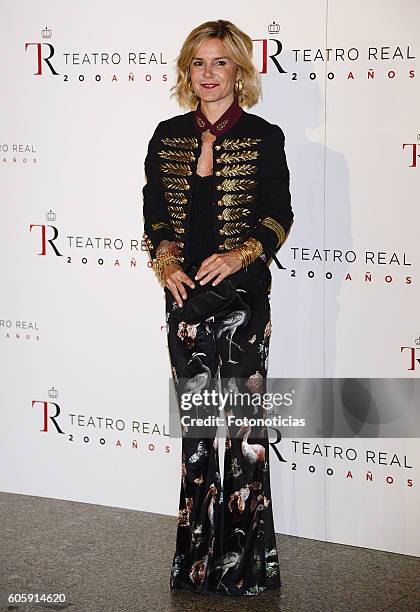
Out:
{"x": 157, "y": 232}
{"x": 272, "y": 235}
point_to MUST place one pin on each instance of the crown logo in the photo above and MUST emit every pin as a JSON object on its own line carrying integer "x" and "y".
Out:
{"x": 52, "y": 393}
{"x": 273, "y": 28}
{"x": 50, "y": 215}
{"x": 417, "y": 341}
{"x": 46, "y": 33}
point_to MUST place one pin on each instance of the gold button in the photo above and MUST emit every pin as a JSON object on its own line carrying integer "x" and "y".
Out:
{"x": 219, "y": 201}
{"x": 218, "y": 173}
{"x": 218, "y": 147}
{"x": 219, "y": 187}
{"x": 220, "y": 247}
{"x": 218, "y": 160}
{"x": 220, "y": 216}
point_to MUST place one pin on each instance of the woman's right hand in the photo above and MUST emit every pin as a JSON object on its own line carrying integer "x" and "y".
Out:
{"x": 173, "y": 277}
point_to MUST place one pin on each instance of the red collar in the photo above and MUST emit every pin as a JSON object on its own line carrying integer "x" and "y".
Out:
{"x": 223, "y": 124}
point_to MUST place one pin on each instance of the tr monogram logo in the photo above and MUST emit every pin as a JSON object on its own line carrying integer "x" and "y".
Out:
{"x": 45, "y": 51}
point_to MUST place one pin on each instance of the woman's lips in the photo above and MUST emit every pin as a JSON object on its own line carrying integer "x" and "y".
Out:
{"x": 209, "y": 85}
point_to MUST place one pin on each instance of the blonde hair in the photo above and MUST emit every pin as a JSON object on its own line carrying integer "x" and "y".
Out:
{"x": 239, "y": 47}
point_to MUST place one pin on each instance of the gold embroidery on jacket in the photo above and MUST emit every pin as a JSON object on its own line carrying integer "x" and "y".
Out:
{"x": 173, "y": 209}
{"x": 184, "y": 142}
{"x": 230, "y": 243}
{"x": 237, "y": 156}
{"x": 233, "y": 144}
{"x": 237, "y": 169}
{"x": 231, "y": 199}
{"x": 159, "y": 224}
{"x": 173, "y": 182}
{"x": 177, "y": 225}
{"x": 236, "y": 184}
{"x": 233, "y": 228}
{"x": 175, "y": 198}
{"x": 230, "y": 214}
{"x": 174, "y": 155}
{"x": 221, "y": 125}
{"x": 148, "y": 241}
{"x": 183, "y": 169}
{"x": 276, "y": 227}
{"x": 177, "y": 212}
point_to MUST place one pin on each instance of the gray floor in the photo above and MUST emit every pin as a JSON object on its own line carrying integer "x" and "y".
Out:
{"x": 108, "y": 559}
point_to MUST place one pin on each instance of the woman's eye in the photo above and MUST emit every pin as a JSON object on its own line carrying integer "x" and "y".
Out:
{"x": 198, "y": 63}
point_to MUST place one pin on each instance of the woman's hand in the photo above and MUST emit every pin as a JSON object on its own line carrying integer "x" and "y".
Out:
{"x": 173, "y": 276}
{"x": 218, "y": 265}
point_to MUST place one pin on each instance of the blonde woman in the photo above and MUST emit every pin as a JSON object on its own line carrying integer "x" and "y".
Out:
{"x": 216, "y": 209}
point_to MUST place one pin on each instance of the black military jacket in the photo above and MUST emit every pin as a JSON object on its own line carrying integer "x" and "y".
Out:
{"x": 251, "y": 195}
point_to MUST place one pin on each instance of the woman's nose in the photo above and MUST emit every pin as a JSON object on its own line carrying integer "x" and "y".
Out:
{"x": 208, "y": 71}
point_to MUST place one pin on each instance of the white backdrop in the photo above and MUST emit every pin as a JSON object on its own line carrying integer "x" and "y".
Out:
{"x": 82, "y": 326}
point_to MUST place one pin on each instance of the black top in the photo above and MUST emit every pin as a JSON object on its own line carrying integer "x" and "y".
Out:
{"x": 201, "y": 236}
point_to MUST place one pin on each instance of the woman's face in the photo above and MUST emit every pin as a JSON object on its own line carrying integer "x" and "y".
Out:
{"x": 212, "y": 66}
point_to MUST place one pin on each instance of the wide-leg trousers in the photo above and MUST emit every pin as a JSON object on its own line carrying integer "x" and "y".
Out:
{"x": 225, "y": 539}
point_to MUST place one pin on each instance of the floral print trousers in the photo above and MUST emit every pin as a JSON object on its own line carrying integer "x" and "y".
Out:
{"x": 225, "y": 539}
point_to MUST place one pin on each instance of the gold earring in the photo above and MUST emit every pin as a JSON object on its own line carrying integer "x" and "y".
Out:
{"x": 238, "y": 87}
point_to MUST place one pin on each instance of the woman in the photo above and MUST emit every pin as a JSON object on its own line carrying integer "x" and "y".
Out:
{"x": 216, "y": 209}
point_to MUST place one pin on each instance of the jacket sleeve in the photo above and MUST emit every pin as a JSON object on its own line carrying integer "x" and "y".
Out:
{"x": 274, "y": 211}
{"x": 157, "y": 225}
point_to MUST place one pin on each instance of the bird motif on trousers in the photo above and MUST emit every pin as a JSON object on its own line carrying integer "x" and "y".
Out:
{"x": 200, "y": 381}
{"x": 212, "y": 492}
{"x": 251, "y": 452}
{"x": 231, "y": 559}
{"x": 234, "y": 320}
{"x": 199, "y": 453}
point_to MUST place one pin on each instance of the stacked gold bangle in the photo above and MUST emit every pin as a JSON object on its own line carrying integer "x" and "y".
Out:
{"x": 164, "y": 259}
{"x": 248, "y": 251}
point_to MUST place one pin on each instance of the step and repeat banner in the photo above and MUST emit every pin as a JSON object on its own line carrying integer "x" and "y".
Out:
{"x": 84, "y": 359}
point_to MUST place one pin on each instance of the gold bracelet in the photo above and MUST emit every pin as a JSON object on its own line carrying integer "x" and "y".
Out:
{"x": 162, "y": 261}
{"x": 248, "y": 251}
{"x": 163, "y": 252}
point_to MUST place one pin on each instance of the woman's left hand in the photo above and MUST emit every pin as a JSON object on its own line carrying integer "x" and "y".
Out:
{"x": 218, "y": 265}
